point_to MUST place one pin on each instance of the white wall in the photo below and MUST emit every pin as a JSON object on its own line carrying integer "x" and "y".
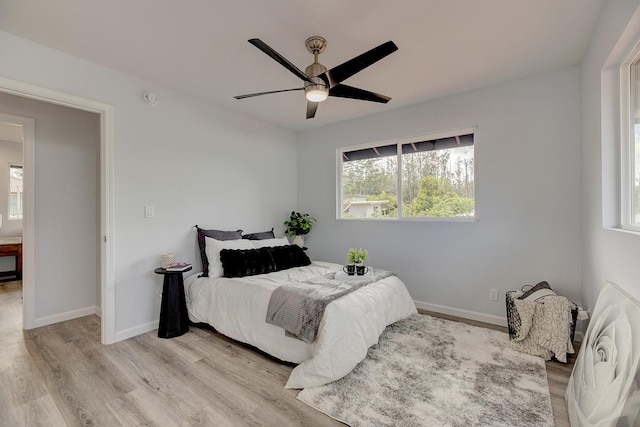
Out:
{"x": 528, "y": 202}
{"x": 10, "y": 154}
{"x": 609, "y": 254}
{"x": 195, "y": 163}
{"x": 66, "y": 199}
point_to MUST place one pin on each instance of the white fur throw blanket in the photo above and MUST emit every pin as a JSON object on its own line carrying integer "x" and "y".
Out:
{"x": 545, "y": 329}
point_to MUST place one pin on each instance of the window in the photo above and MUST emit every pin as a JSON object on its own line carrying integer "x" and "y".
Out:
{"x": 630, "y": 148}
{"x": 15, "y": 192}
{"x": 428, "y": 177}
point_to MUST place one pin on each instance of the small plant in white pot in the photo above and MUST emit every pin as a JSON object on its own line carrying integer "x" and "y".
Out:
{"x": 298, "y": 225}
{"x": 357, "y": 256}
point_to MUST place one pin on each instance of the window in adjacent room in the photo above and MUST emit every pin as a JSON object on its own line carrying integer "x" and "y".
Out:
{"x": 15, "y": 192}
{"x": 431, "y": 177}
{"x": 630, "y": 153}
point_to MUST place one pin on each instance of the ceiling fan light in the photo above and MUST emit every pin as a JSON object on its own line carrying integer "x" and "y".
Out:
{"x": 316, "y": 93}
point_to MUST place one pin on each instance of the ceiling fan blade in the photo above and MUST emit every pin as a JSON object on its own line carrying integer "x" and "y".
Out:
{"x": 249, "y": 95}
{"x": 344, "y": 91}
{"x": 281, "y": 59}
{"x": 338, "y": 74}
{"x": 311, "y": 109}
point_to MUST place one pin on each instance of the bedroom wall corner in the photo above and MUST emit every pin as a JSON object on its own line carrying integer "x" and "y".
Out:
{"x": 528, "y": 168}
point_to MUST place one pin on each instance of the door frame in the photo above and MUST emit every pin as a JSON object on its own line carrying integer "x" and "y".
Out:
{"x": 28, "y": 143}
{"x": 107, "y": 142}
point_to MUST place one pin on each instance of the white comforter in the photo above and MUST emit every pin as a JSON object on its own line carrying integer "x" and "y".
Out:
{"x": 237, "y": 308}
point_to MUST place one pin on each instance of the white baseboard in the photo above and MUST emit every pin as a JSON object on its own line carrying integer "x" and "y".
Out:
{"x": 61, "y": 317}
{"x": 474, "y": 315}
{"x": 99, "y": 312}
{"x": 466, "y": 314}
{"x": 136, "y": 330}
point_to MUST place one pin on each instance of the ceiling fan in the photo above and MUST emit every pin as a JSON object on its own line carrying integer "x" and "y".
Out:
{"x": 320, "y": 82}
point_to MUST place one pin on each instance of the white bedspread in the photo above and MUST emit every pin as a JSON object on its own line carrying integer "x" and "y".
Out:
{"x": 237, "y": 308}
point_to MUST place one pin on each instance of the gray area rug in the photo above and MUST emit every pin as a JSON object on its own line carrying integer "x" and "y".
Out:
{"x": 426, "y": 371}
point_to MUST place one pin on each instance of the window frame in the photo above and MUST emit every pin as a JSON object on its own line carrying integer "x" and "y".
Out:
{"x": 13, "y": 165}
{"x": 399, "y": 142}
{"x": 627, "y": 143}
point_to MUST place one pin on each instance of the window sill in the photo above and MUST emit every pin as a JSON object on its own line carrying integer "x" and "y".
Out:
{"x": 410, "y": 219}
{"x": 623, "y": 230}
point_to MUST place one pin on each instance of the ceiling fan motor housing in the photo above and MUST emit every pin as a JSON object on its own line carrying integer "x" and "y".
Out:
{"x": 319, "y": 91}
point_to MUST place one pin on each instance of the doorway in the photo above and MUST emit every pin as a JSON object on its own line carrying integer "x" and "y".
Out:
{"x": 106, "y": 307}
{"x": 11, "y": 192}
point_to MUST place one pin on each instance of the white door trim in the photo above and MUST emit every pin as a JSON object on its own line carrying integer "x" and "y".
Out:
{"x": 107, "y": 284}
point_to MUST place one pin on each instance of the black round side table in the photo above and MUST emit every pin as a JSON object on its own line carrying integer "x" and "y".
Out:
{"x": 174, "y": 318}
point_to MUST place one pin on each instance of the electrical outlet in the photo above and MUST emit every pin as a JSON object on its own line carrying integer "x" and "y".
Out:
{"x": 149, "y": 212}
{"x": 493, "y": 294}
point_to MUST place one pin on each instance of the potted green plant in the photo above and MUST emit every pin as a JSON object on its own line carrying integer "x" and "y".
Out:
{"x": 356, "y": 258}
{"x": 298, "y": 225}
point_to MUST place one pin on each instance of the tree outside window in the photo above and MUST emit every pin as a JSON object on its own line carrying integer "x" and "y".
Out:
{"x": 431, "y": 177}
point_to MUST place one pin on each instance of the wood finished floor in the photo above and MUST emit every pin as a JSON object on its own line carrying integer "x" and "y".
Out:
{"x": 60, "y": 375}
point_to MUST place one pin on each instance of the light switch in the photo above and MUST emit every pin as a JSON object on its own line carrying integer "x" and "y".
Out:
{"x": 149, "y": 212}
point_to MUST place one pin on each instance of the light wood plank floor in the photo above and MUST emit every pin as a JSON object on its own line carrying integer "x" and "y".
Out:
{"x": 61, "y": 375}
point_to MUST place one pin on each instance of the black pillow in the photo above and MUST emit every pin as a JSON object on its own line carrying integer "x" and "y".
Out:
{"x": 214, "y": 234}
{"x": 246, "y": 262}
{"x": 288, "y": 256}
{"x": 260, "y": 236}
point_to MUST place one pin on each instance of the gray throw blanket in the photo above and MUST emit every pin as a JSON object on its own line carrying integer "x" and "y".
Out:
{"x": 545, "y": 328}
{"x": 298, "y": 307}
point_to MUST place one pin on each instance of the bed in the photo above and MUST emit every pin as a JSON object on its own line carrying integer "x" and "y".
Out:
{"x": 237, "y": 307}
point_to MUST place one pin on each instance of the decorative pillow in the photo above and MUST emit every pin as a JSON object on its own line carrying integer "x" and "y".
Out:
{"x": 281, "y": 241}
{"x": 213, "y": 248}
{"x": 259, "y": 236}
{"x": 540, "y": 290}
{"x": 289, "y": 256}
{"x": 246, "y": 262}
{"x": 215, "y": 234}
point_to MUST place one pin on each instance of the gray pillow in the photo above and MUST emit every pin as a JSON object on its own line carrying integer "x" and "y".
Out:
{"x": 214, "y": 234}
{"x": 260, "y": 236}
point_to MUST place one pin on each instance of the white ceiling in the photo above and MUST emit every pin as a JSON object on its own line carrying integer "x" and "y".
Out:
{"x": 200, "y": 46}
